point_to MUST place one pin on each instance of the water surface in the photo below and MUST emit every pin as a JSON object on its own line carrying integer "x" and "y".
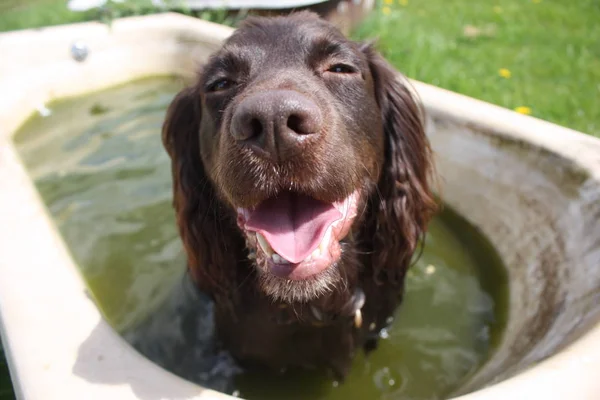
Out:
{"x": 99, "y": 165}
{"x": 6, "y": 391}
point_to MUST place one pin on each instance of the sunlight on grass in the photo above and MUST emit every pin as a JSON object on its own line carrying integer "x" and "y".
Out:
{"x": 537, "y": 57}
{"x": 35, "y": 13}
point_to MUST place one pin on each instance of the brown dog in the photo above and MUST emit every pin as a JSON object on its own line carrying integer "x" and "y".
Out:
{"x": 301, "y": 186}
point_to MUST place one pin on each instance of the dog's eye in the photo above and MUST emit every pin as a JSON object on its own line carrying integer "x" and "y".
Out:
{"x": 220, "y": 85}
{"x": 341, "y": 69}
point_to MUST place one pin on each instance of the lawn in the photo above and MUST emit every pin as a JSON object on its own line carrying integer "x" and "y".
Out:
{"x": 540, "y": 57}
{"x": 16, "y": 14}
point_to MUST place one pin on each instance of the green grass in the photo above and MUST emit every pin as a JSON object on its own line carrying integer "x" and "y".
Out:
{"x": 16, "y": 14}
{"x": 550, "y": 47}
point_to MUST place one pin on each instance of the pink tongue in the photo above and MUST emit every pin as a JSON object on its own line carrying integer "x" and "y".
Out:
{"x": 293, "y": 224}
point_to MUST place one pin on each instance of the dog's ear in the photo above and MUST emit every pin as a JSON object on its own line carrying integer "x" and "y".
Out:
{"x": 404, "y": 203}
{"x": 195, "y": 201}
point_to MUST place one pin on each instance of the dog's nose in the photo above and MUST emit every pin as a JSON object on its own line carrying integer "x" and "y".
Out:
{"x": 276, "y": 122}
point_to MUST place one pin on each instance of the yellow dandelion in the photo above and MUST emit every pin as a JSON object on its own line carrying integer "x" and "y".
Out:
{"x": 505, "y": 73}
{"x": 389, "y": 2}
{"x": 523, "y": 110}
{"x": 537, "y": 1}
{"x": 497, "y": 9}
{"x": 386, "y": 10}
{"x": 403, "y": 2}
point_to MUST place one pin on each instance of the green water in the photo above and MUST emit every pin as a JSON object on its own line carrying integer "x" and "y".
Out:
{"x": 6, "y": 392}
{"x": 100, "y": 167}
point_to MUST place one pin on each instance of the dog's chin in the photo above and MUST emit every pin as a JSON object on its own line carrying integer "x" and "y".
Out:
{"x": 290, "y": 291}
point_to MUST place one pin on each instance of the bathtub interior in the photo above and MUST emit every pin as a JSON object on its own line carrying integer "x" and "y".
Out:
{"x": 98, "y": 164}
{"x": 538, "y": 204}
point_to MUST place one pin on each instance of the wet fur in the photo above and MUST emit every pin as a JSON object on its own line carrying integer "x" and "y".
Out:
{"x": 374, "y": 142}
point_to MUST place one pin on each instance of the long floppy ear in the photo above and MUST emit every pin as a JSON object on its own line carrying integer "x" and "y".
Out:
{"x": 404, "y": 203}
{"x": 211, "y": 260}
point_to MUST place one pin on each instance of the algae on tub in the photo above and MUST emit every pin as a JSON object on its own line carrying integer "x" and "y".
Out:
{"x": 99, "y": 165}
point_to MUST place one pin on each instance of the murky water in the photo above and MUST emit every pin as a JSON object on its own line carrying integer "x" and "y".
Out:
{"x": 99, "y": 165}
{"x": 6, "y": 392}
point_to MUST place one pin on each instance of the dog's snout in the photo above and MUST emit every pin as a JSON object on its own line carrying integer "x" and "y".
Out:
{"x": 276, "y": 122}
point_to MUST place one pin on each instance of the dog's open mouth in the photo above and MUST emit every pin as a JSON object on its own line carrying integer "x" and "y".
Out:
{"x": 296, "y": 236}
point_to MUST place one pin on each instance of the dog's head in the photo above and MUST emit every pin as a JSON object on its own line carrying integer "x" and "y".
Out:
{"x": 297, "y": 138}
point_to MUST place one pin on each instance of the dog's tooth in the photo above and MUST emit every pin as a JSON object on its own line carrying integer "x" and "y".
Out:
{"x": 277, "y": 259}
{"x": 264, "y": 245}
{"x": 316, "y": 253}
{"x": 325, "y": 242}
{"x": 243, "y": 212}
{"x": 346, "y": 207}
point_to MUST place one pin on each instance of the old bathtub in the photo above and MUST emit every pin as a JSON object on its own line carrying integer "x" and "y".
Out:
{"x": 531, "y": 187}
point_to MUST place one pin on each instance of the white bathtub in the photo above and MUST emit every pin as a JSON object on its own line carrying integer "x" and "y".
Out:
{"x": 532, "y": 187}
